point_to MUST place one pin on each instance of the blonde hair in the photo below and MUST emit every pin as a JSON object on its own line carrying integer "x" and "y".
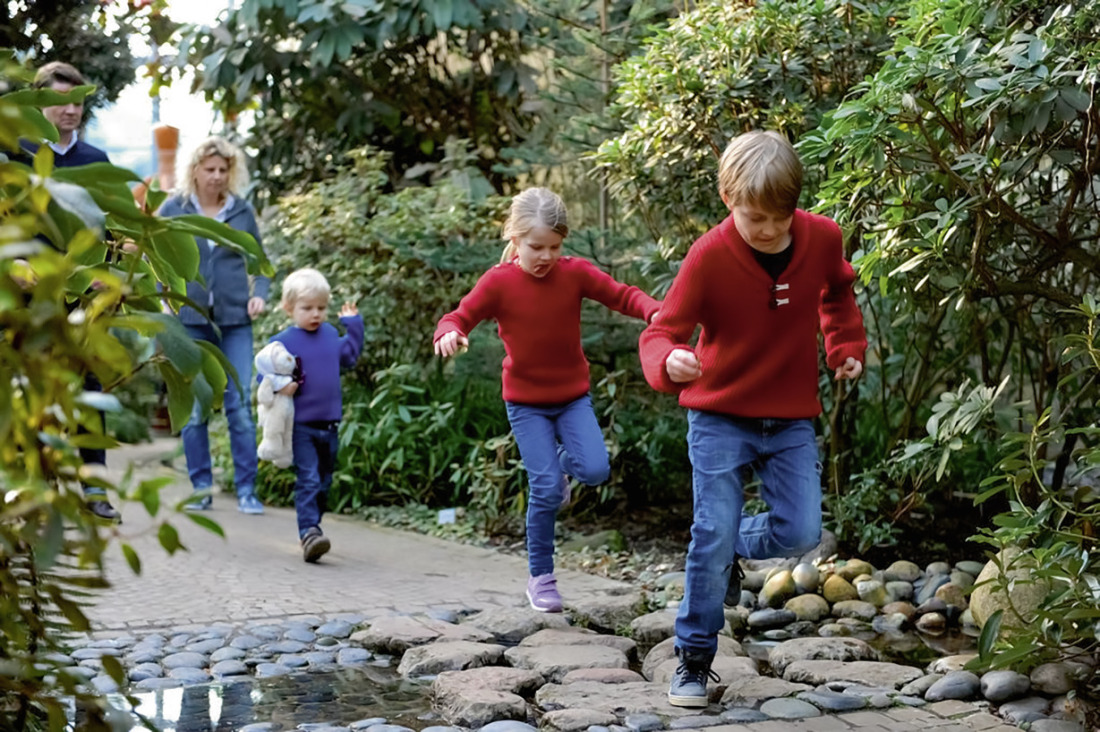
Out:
{"x": 305, "y": 282}
{"x": 761, "y": 168}
{"x": 238, "y": 168}
{"x": 531, "y": 208}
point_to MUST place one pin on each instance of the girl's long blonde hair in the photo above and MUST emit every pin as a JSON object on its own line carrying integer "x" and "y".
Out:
{"x": 533, "y": 207}
{"x": 223, "y": 148}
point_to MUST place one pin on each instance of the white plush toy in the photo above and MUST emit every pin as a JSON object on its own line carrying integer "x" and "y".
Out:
{"x": 276, "y": 365}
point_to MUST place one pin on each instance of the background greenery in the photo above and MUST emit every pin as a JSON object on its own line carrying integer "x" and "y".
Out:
{"x": 954, "y": 142}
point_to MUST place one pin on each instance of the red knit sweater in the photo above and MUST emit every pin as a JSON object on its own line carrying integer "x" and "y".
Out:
{"x": 757, "y": 361}
{"x": 539, "y": 320}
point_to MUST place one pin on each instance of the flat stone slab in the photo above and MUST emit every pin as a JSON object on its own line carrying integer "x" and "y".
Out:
{"x": 875, "y": 673}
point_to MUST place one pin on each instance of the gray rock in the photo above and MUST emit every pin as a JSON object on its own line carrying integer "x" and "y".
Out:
{"x": 319, "y": 658}
{"x": 575, "y": 720}
{"x": 395, "y": 635}
{"x": 643, "y": 722}
{"x": 145, "y": 671}
{"x": 361, "y": 724}
{"x": 931, "y": 584}
{"x": 1056, "y": 725}
{"x": 143, "y": 656}
{"x": 970, "y": 567}
{"x": 104, "y": 684}
{"x": 808, "y": 607}
{"x": 554, "y": 662}
{"x": 902, "y": 571}
{"x": 946, "y": 664}
{"x": 336, "y": 629}
{"x": 1002, "y": 685}
{"x": 302, "y": 635}
{"x": 954, "y": 685}
{"x": 771, "y": 618}
{"x": 286, "y": 646}
{"x": 742, "y": 715}
{"x": 352, "y": 656}
{"x": 391, "y": 728}
{"x": 158, "y": 683}
{"x": 899, "y": 591}
{"x": 834, "y": 630}
{"x": 602, "y": 676}
{"x": 511, "y": 625}
{"x": 832, "y": 701}
{"x": 578, "y": 637}
{"x": 654, "y": 627}
{"x": 619, "y": 699}
{"x": 607, "y": 612}
{"x": 185, "y": 659}
{"x": 229, "y": 667}
{"x": 1053, "y": 678}
{"x": 205, "y": 646}
{"x": 227, "y": 653}
{"x": 292, "y": 660}
{"x": 937, "y": 568}
{"x": 271, "y": 670}
{"x": 1027, "y": 709}
{"x": 751, "y": 691}
{"x": 872, "y": 592}
{"x": 478, "y": 696}
{"x": 807, "y": 578}
{"x": 863, "y": 672}
{"x": 435, "y": 658}
{"x": 82, "y": 654}
{"x": 507, "y": 725}
{"x": 807, "y": 649}
{"x": 246, "y": 642}
{"x": 697, "y": 722}
{"x": 189, "y": 675}
{"x": 909, "y": 701}
{"x": 859, "y": 609}
{"x": 789, "y": 709}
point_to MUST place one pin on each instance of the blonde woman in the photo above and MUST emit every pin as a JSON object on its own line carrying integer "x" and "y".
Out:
{"x": 227, "y": 300}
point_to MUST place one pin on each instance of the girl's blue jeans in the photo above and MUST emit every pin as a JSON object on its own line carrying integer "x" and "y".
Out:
{"x": 555, "y": 441}
{"x": 783, "y": 452}
{"x": 235, "y": 342}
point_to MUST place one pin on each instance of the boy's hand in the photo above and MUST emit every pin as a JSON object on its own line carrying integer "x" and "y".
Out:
{"x": 450, "y": 343}
{"x": 289, "y": 389}
{"x": 348, "y": 309}
{"x": 850, "y": 369}
{"x": 683, "y": 365}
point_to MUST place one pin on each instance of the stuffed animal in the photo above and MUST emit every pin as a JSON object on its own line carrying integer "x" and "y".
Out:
{"x": 276, "y": 412}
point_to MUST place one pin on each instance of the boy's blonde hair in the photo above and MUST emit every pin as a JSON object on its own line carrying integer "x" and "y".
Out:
{"x": 305, "y": 282}
{"x": 763, "y": 169}
{"x": 223, "y": 148}
{"x": 533, "y": 207}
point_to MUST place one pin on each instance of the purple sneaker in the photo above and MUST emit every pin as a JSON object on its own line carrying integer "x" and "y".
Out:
{"x": 542, "y": 593}
{"x": 566, "y": 491}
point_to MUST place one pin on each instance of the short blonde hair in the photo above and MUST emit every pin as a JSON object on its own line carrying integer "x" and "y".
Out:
{"x": 761, "y": 168}
{"x": 305, "y": 282}
{"x": 223, "y": 148}
{"x": 534, "y": 207}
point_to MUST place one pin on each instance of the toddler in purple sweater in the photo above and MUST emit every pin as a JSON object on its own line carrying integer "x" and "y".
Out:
{"x": 318, "y": 403}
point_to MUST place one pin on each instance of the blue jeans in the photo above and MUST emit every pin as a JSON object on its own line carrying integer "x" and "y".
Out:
{"x": 784, "y": 454}
{"x": 314, "y": 460}
{"x": 236, "y": 343}
{"x": 555, "y": 441}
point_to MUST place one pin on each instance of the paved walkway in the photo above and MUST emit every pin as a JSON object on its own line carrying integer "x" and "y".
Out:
{"x": 256, "y": 572}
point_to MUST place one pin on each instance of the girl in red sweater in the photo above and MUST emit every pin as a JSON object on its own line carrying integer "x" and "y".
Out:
{"x": 535, "y": 296}
{"x": 762, "y": 285}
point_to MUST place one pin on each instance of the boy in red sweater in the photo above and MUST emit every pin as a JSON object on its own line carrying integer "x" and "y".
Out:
{"x": 535, "y": 296}
{"x": 762, "y": 284}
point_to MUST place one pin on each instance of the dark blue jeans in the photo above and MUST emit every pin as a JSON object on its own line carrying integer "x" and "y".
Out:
{"x": 236, "y": 343}
{"x": 315, "y": 448}
{"x": 554, "y": 441}
{"x": 784, "y": 454}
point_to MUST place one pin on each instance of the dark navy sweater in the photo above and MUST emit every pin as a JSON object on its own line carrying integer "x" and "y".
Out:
{"x": 79, "y": 154}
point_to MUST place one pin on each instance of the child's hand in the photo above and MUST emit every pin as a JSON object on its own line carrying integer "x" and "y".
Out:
{"x": 682, "y": 365}
{"x": 850, "y": 369}
{"x": 450, "y": 343}
{"x": 348, "y": 309}
{"x": 289, "y": 389}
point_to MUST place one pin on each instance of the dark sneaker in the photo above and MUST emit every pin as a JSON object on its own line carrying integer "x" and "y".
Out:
{"x": 314, "y": 544}
{"x": 688, "y": 687}
{"x": 249, "y": 503}
{"x": 205, "y": 503}
{"x": 733, "y": 590}
{"x": 102, "y": 509}
{"x": 542, "y": 593}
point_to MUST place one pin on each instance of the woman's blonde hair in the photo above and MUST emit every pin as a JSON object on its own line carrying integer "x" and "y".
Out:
{"x": 533, "y": 207}
{"x": 238, "y": 167}
{"x": 304, "y": 282}
{"x": 763, "y": 169}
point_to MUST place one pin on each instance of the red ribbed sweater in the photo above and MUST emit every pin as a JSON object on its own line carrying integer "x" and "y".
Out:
{"x": 757, "y": 361}
{"x": 539, "y": 320}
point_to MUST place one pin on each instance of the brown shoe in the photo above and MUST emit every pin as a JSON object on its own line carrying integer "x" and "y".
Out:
{"x": 101, "y": 509}
{"x": 314, "y": 545}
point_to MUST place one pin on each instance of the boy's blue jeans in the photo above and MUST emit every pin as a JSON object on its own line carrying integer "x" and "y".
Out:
{"x": 784, "y": 454}
{"x": 236, "y": 343}
{"x": 554, "y": 441}
{"x": 315, "y": 448}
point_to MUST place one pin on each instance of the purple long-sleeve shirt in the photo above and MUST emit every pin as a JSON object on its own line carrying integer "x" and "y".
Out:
{"x": 323, "y": 353}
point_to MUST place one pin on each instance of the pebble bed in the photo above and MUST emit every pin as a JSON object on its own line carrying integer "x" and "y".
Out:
{"x": 810, "y": 636}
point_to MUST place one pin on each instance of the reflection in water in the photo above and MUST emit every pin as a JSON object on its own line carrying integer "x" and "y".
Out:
{"x": 340, "y": 697}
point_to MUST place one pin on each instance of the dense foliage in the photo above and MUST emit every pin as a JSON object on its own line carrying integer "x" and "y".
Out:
{"x": 67, "y": 309}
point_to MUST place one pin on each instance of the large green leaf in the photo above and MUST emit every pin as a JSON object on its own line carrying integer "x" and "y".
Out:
{"x": 178, "y": 346}
{"x": 180, "y": 398}
{"x": 240, "y": 241}
{"x": 179, "y": 251}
